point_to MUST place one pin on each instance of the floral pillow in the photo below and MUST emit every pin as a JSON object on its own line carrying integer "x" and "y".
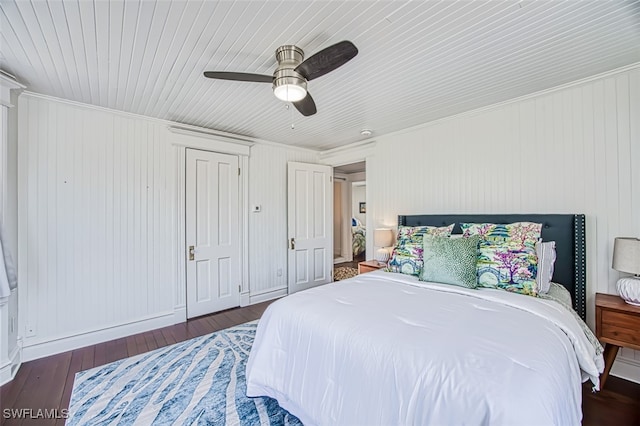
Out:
{"x": 414, "y": 234}
{"x": 406, "y": 256}
{"x": 508, "y": 266}
{"x": 522, "y": 233}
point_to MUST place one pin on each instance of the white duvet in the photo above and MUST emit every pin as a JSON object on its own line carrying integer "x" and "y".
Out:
{"x": 385, "y": 348}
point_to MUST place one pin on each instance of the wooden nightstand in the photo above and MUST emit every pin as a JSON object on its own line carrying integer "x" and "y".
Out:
{"x": 370, "y": 265}
{"x": 617, "y": 324}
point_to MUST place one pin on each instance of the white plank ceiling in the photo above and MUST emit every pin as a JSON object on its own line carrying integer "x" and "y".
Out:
{"x": 418, "y": 61}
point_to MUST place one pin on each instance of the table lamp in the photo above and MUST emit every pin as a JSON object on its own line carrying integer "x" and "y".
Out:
{"x": 382, "y": 238}
{"x": 626, "y": 258}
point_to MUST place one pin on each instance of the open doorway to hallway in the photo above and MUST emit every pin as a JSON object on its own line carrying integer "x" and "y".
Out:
{"x": 350, "y": 213}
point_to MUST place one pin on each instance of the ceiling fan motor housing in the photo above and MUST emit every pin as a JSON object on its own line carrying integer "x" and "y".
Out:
{"x": 289, "y": 57}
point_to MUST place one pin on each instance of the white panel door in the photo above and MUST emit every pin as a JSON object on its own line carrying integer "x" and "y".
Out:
{"x": 310, "y": 225}
{"x": 212, "y": 234}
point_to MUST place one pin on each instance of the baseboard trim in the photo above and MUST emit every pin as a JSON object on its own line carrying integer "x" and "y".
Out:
{"x": 627, "y": 369}
{"x": 9, "y": 370}
{"x": 52, "y": 347}
{"x": 245, "y": 299}
{"x": 179, "y": 314}
{"x": 268, "y": 295}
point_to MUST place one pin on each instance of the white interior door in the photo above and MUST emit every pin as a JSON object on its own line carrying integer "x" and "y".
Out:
{"x": 212, "y": 234}
{"x": 310, "y": 225}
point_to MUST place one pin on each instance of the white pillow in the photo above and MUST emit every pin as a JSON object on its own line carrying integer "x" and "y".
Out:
{"x": 559, "y": 292}
{"x": 546, "y": 252}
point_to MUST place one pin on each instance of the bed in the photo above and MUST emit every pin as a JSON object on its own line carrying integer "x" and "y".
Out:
{"x": 358, "y": 238}
{"x": 386, "y": 348}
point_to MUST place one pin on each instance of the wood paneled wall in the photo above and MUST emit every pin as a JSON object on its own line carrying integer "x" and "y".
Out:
{"x": 268, "y": 238}
{"x": 95, "y": 206}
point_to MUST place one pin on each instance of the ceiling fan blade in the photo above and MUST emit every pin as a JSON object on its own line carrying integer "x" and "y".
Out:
{"x": 327, "y": 60}
{"x": 306, "y": 106}
{"x": 239, "y": 76}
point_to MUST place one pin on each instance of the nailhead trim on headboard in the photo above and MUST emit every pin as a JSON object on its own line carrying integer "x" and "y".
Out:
{"x": 580, "y": 266}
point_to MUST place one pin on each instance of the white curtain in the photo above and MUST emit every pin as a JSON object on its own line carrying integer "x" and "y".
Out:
{"x": 8, "y": 278}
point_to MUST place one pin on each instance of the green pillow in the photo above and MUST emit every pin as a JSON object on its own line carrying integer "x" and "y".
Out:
{"x": 450, "y": 260}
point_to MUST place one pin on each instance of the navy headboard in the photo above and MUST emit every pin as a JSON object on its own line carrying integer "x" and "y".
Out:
{"x": 567, "y": 230}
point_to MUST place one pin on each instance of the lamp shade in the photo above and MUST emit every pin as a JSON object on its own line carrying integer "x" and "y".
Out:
{"x": 626, "y": 255}
{"x": 382, "y": 237}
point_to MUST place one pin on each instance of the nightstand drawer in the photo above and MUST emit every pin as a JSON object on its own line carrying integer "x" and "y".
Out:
{"x": 617, "y": 325}
{"x": 621, "y": 320}
{"x": 622, "y": 335}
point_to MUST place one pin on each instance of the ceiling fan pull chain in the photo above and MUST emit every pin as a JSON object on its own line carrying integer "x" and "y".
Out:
{"x": 293, "y": 126}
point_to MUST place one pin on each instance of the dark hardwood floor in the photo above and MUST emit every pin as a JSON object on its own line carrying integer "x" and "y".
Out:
{"x": 46, "y": 383}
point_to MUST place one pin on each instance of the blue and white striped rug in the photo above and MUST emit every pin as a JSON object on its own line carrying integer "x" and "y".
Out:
{"x": 199, "y": 381}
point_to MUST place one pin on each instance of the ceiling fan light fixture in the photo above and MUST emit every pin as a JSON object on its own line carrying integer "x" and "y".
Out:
{"x": 288, "y": 85}
{"x": 290, "y": 92}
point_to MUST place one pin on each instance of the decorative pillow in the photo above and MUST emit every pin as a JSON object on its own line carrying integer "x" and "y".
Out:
{"x": 546, "y": 252}
{"x": 406, "y": 260}
{"x": 450, "y": 261}
{"x": 524, "y": 233}
{"x": 414, "y": 234}
{"x": 511, "y": 267}
{"x": 406, "y": 256}
{"x": 560, "y": 293}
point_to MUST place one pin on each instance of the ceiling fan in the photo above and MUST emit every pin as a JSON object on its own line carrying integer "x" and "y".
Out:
{"x": 290, "y": 78}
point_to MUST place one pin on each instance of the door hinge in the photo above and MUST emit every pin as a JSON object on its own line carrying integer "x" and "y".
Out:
{"x": 240, "y": 288}
{"x": 238, "y": 171}
{"x": 330, "y": 178}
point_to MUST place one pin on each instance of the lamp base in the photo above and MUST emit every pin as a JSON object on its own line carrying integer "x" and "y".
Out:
{"x": 629, "y": 290}
{"x": 382, "y": 255}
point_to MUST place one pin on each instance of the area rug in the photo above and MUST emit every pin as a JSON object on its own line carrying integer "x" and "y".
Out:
{"x": 199, "y": 381}
{"x": 344, "y": 272}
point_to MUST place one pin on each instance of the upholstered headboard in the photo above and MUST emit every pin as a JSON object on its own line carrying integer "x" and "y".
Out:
{"x": 567, "y": 230}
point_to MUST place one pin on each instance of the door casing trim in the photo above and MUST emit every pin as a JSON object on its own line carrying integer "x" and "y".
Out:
{"x": 180, "y": 143}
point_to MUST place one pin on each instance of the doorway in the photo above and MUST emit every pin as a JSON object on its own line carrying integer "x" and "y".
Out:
{"x": 350, "y": 220}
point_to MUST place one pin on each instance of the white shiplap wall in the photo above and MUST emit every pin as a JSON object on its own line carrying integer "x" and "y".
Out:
{"x": 573, "y": 150}
{"x": 95, "y": 220}
{"x": 97, "y": 191}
